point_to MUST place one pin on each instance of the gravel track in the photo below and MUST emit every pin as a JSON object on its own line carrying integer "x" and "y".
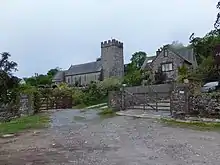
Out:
{"x": 91, "y": 140}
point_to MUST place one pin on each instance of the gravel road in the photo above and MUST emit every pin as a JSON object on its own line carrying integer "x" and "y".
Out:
{"x": 76, "y": 138}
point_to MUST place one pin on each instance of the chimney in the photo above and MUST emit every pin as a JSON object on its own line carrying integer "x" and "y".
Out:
{"x": 98, "y": 59}
{"x": 158, "y": 52}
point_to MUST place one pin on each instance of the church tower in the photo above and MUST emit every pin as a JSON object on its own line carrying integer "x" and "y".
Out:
{"x": 112, "y": 59}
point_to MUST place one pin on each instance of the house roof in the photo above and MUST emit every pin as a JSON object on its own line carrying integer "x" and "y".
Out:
{"x": 185, "y": 52}
{"x": 84, "y": 68}
{"x": 147, "y": 61}
{"x": 59, "y": 76}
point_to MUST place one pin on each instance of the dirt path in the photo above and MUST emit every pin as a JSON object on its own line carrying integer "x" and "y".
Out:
{"x": 86, "y": 139}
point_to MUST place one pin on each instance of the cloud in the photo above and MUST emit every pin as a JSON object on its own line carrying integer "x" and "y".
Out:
{"x": 45, "y": 34}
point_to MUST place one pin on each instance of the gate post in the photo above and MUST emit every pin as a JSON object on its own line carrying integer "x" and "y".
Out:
{"x": 156, "y": 102}
{"x": 123, "y": 97}
{"x": 123, "y": 106}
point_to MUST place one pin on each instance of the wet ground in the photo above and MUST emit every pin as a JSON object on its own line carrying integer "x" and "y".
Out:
{"x": 77, "y": 138}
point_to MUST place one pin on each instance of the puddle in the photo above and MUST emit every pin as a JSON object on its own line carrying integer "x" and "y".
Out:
{"x": 78, "y": 118}
{"x": 75, "y": 117}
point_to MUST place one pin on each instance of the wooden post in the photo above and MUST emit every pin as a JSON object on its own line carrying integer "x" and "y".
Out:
{"x": 47, "y": 102}
{"x": 156, "y": 102}
{"x": 122, "y": 99}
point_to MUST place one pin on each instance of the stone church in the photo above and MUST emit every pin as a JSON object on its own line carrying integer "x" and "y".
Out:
{"x": 110, "y": 64}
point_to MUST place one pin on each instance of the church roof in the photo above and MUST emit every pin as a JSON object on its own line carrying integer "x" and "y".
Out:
{"x": 59, "y": 76}
{"x": 84, "y": 68}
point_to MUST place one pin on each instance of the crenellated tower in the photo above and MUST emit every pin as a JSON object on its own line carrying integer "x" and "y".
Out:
{"x": 112, "y": 58}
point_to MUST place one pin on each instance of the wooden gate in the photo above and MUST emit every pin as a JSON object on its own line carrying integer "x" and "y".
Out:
{"x": 64, "y": 102}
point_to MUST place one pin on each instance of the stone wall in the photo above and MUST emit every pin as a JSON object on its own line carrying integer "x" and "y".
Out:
{"x": 115, "y": 100}
{"x": 11, "y": 111}
{"x": 182, "y": 102}
{"x": 179, "y": 99}
{"x": 205, "y": 105}
{"x": 202, "y": 105}
{"x": 26, "y": 105}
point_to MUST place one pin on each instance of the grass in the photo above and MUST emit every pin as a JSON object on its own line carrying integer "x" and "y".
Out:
{"x": 24, "y": 123}
{"x": 197, "y": 125}
{"x": 80, "y": 106}
{"x": 85, "y": 105}
{"x": 107, "y": 111}
{"x": 97, "y": 106}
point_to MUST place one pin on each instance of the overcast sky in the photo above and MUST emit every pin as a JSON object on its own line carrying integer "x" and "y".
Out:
{"x": 44, "y": 34}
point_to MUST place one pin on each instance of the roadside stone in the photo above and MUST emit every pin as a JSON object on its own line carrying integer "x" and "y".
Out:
{"x": 8, "y": 135}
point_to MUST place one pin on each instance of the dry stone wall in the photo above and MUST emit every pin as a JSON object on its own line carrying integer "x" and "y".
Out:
{"x": 11, "y": 111}
{"x": 182, "y": 102}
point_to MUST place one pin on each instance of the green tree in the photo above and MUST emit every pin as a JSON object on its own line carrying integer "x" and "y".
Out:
{"x": 134, "y": 75}
{"x": 217, "y": 22}
{"x": 42, "y": 79}
{"x": 177, "y": 45}
{"x": 133, "y": 78}
{"x": 8, "y": 82}
{"x": 204, "y": 46}
{"x": 183, "y": 73}
{"x": 138, "y": 59}
{"x": 52, "y": 72}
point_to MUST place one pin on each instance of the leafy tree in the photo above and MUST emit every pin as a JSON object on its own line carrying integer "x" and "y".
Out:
{"x": 177, "y": 44}
{"x": 42, "y": 79}
{"x": 204, "y": 46}
{"x": 205, "y": 72}
{"x": 217, "y": 22}
{"x": 134, "y": 78}
{"x": 8, "y": 82}
{"x": 134, "y": 75}
{"x": 183, "y": 73}
{"x": 52, "y": 72}
{"x": 138, "y": 59}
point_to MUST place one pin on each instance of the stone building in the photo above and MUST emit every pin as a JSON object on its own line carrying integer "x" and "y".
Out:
{"x": 169, "y": 59}
{"x": 110, "y": 64}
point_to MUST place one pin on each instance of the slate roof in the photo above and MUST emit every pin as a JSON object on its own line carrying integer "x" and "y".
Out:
{"x": 59, "y": 76}
{"x": 84, "y": 68}
{"x": 147, "y": 61}
{"x": 186, "y": 53}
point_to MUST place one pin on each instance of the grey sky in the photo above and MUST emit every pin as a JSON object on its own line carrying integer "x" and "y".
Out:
{"x": 44, "y": 34}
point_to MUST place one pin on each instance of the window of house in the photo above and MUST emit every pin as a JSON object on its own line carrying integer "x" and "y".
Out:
{"x": 165, "y": 53}
{"x": 167, "y": 67}
{"x": 68, "y": 80}
{"x": 85, "y": 77}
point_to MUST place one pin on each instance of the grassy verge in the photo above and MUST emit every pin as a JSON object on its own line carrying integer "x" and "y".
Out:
{"x": 92, "y": 104}
{"x": 107, "y": 111}
{"x": 24, "y": 123}
{"x": 97, "y": 106}
{"x": 197, "y": 125}
{"x": 80, "y": 106}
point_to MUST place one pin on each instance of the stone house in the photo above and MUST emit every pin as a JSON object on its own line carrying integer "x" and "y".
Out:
{"x": 168, "y": 59}
{"x": 110, "y": 64}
